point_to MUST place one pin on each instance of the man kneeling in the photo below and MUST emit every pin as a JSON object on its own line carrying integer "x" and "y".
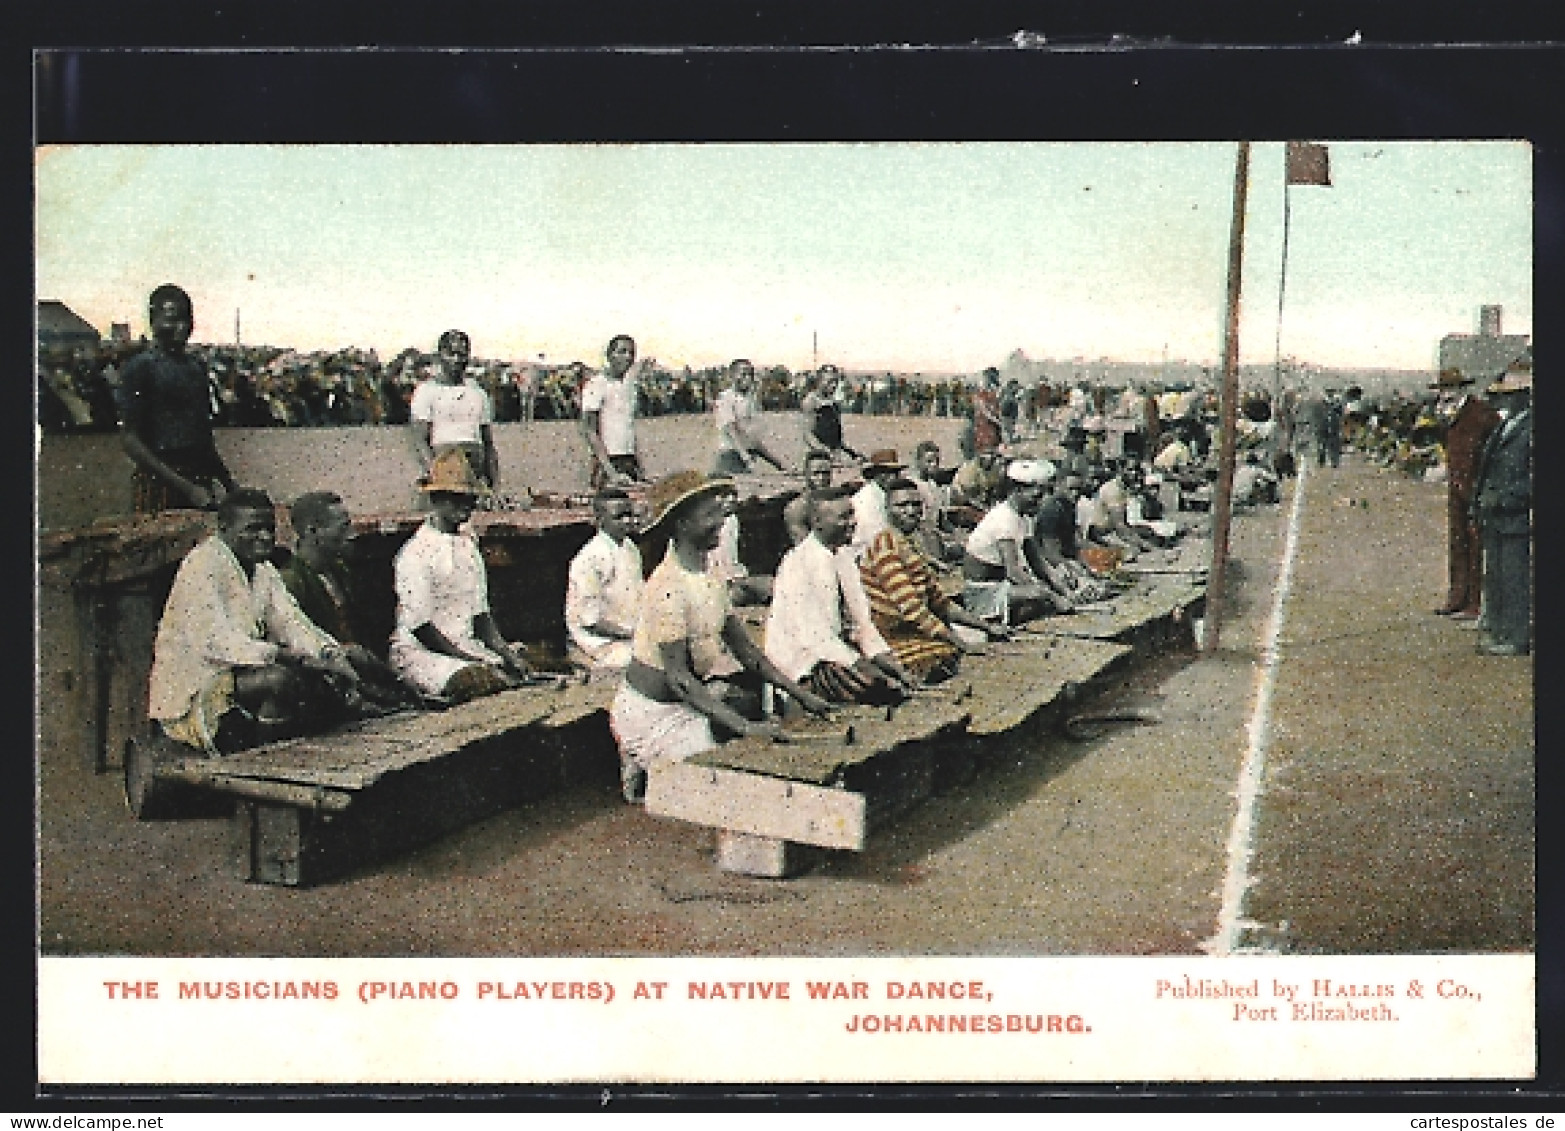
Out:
{"x": 821, "y": 632}
{"x": 446, "y": 643}
{"x": 236, "y": 662}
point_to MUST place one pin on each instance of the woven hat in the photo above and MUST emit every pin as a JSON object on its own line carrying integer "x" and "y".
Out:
{"x": 1517, "y": 379}
{"x": 673, "y": 491}
{"x": 884, "y": 459}
{"x": 452, "y": 474}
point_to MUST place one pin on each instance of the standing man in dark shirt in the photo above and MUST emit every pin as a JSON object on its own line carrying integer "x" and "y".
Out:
{"x": 823, "y": 416}
{"x": 166, "y": 410}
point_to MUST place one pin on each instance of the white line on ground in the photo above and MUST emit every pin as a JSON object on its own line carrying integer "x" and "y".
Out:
{"x": 1236, "y": 884}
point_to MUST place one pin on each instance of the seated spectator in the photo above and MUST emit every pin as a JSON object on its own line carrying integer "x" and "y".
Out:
{"x": 689, "y": 653}
{"x": 446, "y": 642}
{"x": 821, "y": 633}
{"x": 1001, "y": 584}
{"x": 817, "y": 477}
{"x": 235, "y": 661}
{"x": 604, "y": 587}
{"x": 909, "y": 609}
{"x": 318, "y": 578}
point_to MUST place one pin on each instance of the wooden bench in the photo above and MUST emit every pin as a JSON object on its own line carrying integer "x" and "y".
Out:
{"x": 835, "y": 783}
{"x": 311, "y": 808}
{"x": 1154, "y": 614}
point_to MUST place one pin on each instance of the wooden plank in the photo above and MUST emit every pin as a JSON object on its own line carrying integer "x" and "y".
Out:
{"x": 1155, "y": 598}
{"x": 1011, "y": 683}
{"x": 357, "y": 756}
{"x": 822, "y": 756}
{"x": 757, "y": 805}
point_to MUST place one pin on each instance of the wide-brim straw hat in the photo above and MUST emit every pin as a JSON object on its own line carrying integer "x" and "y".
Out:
{"x": 674, "y": 491}
{"x": 1514, "y": 381}
{"x": 453, "y": 475}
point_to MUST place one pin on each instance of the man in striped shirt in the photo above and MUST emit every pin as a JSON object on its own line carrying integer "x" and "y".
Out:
{"x": 922, "y": 626}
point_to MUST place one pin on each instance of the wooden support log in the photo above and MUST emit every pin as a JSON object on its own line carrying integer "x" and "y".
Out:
{"x": 259, "y": 789}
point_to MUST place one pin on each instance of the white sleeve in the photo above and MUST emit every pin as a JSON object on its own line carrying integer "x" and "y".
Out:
{"x": 592, "y": 395}
{"x": 422, "y": 410}
{"x": 583, "y": 593}
{"x": 415, "y": 596}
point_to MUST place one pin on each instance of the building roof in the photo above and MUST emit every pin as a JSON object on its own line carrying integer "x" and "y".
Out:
{"x": 56, "y": 321}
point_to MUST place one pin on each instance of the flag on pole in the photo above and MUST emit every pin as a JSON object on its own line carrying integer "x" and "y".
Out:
{"x": 1309, "y": 163}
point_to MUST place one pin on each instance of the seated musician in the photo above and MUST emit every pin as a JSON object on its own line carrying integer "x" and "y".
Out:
{"x": 318, "y": 577}
{"x": 935, "y": 536}
{"x": 235, "y": 661}
{"x": 690, "y": 655}
{"x": 1055, "y": 543}
{"x": 1001, "y": 583}
{"x": 446, "y": 642}
{"x": 977, "y": 485}
{"x": 817, "y": 477}
{"x": 820, "y": 631}
{"x": 726, "y": 563}
{"x": 604, "y": 587}
{"x": 911, "y": 612}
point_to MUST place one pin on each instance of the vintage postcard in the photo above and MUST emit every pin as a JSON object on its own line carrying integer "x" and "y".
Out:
{"x": 1175, "y": 618}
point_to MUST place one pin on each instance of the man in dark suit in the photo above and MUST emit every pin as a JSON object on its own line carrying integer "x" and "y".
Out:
{"x": 1472, "y": 419}
{"x": 1503, "y": 506}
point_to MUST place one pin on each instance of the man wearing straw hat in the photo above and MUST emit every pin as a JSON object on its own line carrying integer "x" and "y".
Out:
{"x": 1472, "y": 419}
{"x": 446, "y": 642}
{"x": 690, "y": 657}
{"x": 1502, "y": 504}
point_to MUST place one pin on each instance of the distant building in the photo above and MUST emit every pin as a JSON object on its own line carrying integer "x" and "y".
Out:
{"x": 60, "y": 327}
{"x": 1485, "y": 354}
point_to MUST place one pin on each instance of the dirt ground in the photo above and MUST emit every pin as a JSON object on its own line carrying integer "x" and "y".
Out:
{"x": 1396, "y": 815}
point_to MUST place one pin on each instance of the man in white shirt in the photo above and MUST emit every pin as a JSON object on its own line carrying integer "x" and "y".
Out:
{"x": 870, "y": 512}
{"x": 236, "y": 661}
{"x": 608, "y": 417}
{"x": 452, "y": 412}
{"x": 820, "y": 633}
{"x": 735, "y": 413}
{"x": 1001, "y": 584}
{"x": 446, "y": 642}
{"x": 603, "y": 591}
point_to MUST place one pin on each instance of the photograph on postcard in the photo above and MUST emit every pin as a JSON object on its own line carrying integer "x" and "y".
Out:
{"x": 1069, "y": 603}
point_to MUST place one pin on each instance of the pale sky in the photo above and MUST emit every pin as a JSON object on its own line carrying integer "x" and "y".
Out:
{"x": 937, "y": 257}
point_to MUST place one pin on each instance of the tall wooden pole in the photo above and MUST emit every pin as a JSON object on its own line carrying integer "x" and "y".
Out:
{"x": 1222, "y": 507}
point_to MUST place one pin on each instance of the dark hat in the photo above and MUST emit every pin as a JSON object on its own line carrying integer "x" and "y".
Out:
{"x": 1452, "y": 379}
{"x": 884, "y": 459}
